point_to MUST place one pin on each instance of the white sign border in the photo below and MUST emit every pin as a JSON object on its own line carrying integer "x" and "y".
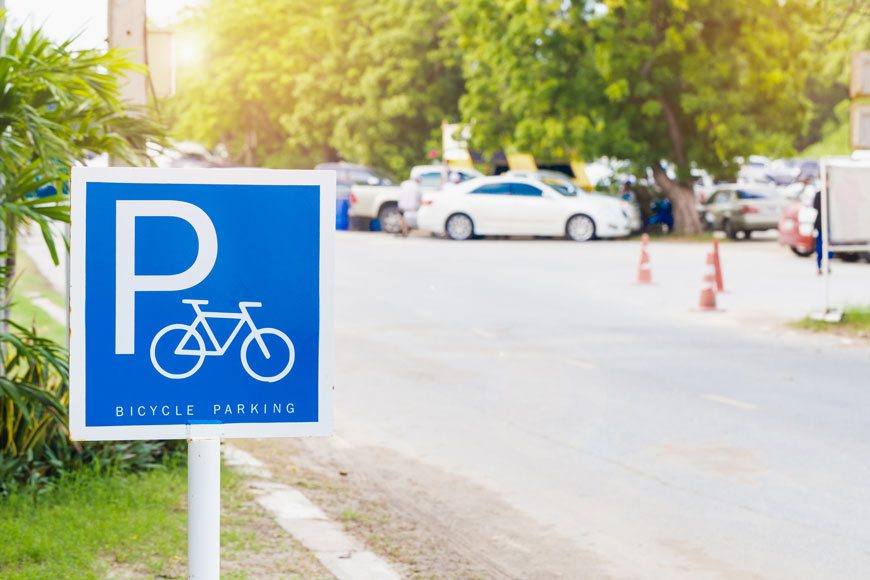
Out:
{"x": 81, "y": 176}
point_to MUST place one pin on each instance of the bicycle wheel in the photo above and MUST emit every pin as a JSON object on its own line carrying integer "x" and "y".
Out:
{"x": 172, "y": 345}
{"x": 267, "y": 355}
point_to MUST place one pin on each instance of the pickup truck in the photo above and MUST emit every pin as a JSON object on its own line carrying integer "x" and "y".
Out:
{"x": 381, "y": 202}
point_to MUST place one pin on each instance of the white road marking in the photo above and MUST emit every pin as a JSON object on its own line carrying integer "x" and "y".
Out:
{"x": 484, "y": 333}
{"x": 577, "y": 363}
{"x": 732, "y": 402}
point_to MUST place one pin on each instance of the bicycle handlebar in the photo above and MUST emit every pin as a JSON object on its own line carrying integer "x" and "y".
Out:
{"x": 241, "y": 304}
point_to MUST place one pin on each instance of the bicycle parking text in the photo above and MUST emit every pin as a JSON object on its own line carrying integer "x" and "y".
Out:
{"x": 218, "y": 409}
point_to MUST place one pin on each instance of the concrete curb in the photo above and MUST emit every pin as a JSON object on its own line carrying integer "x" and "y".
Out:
{"x": 337, "y": 551}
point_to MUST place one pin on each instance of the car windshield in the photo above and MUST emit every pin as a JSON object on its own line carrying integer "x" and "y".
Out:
{"x": 383, "y": 176}
{"x": 562, "y": 187}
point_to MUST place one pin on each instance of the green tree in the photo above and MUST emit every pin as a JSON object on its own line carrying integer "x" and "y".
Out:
{"x": 666, "y": 84}
{"x": 290, "y": 83}
{"x": 57, "y": 107}
{"x": 841, "y": 28}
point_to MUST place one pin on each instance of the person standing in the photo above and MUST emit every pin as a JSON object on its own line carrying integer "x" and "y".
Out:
{"x": 410, "y": 199}
{"x": 817, "y": 226}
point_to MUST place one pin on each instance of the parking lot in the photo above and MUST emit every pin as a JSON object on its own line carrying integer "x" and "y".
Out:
{"x": 547, "y": 417}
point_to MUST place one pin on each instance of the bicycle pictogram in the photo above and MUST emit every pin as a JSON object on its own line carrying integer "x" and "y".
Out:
{"x": 189, "y": 331}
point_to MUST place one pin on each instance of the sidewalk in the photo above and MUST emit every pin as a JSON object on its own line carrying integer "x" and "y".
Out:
{"x": 341, "y": 554}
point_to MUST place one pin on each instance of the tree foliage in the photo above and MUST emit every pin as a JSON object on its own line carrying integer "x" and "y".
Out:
{"x": 667, "y": 85}
{"x": 841, "y": 28}
{"x": 679, "y": 83}
{"x": 57, "y": 107}
{"x": 290, "y": 83}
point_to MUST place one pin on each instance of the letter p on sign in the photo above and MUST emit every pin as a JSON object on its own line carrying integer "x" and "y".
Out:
{"x": 127, "y": 283}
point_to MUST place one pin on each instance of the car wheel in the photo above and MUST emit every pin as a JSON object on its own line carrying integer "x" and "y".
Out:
{"x": 580, "y": 228}
{"x": 390, "y": 219}
{"x": 850, "y": 257}
{"x": 730, "y": 230}
{"x": 459, "y": 227}
{"x": 802, "y": 253}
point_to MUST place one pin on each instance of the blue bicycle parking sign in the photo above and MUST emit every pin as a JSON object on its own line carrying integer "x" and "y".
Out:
{"x": 201, "y": 296}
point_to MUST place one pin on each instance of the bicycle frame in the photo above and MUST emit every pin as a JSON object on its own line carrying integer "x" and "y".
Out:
{"x": 202, "y": 319}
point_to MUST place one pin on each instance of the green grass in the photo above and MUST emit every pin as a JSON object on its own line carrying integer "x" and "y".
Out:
{"x": 856, "y": 320}
{"x": 91, "y": 526}
{"x": 106, "y": 527}
{"x": 29, "y": 284}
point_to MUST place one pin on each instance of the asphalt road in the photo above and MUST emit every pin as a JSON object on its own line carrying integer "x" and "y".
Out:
{"x": 643, "y": 437}
{"x": 549, "y": 418}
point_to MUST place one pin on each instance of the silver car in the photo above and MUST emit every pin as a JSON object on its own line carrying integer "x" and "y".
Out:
{"x": 744, "y": 207}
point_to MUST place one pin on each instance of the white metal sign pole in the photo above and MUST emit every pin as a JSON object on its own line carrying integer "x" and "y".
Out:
{"x": 203, "y": 504}
{"x": 824, "y": 233}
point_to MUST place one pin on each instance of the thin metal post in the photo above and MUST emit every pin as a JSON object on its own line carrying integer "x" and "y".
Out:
{"x": 203, "y": 508}
{"x": 66, "y": 233}
{"x": 824, "y": 234}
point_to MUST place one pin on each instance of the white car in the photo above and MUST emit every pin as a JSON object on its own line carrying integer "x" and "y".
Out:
{"x": 563, "y": 184}
{"x": 382, "y": 201}
{"x": 431, "y": 175}
{"x": 514, "y": 206}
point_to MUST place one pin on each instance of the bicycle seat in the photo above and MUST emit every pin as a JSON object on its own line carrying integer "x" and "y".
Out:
{"x": 195, "y": 301}
{"x": 250, "y": 304}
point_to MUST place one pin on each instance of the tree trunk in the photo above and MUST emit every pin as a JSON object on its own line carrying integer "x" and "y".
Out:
{"x": 250, "y": 146}
{"x": 686, "y": 219}
{"x": 328, "y": 154}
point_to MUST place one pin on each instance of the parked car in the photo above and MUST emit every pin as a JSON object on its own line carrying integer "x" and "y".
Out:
{"x": 754, "y": 170}
{"x": 797, "y": 224}
{"x": 431, "y": 176}
{"x": 349, "y": 174}
{"x": 376, "y": 201}
{"x": 184, "y": 154}
{"x": 510, "y": 205}
{"x": 564, "y": 185}
{"x": 742, "y": 207}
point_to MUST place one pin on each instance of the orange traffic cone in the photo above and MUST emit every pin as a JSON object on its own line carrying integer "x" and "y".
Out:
{"x": 708, "y": 285}
{"x": 720, "y": 287}
{"x": 644, "y": 272}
